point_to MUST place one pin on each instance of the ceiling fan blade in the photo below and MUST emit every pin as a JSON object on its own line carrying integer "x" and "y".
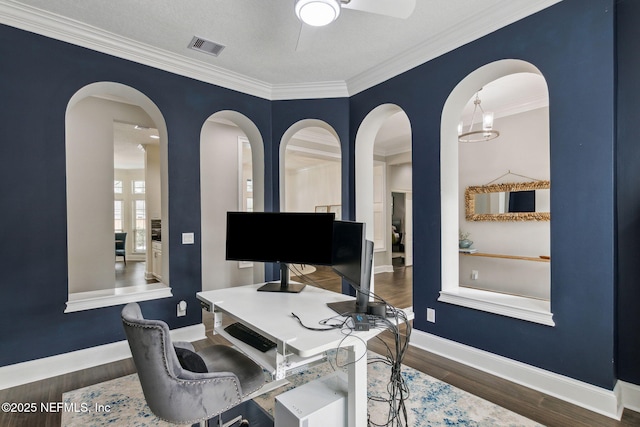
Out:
{"x": 395, "y": 8}
{"x": 305, "y": 37}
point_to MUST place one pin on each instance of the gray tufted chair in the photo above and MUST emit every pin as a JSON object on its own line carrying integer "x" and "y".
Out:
{"x": 176, "y": 394}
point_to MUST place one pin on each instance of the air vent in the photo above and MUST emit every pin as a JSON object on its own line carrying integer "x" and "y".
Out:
{"x": 206, "y": 46}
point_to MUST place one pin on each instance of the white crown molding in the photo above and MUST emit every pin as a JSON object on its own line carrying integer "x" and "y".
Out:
{"x": 335, "y": 89}
{"x": 77, "y": 33}
{"x": 47, "y": 367}
{"x": 521, "y": 107}
{"x": 477, "y": 26}
{"x": 324, "y": 138}
{"x": 398, "y": 145}
{"x": 80, "y": 34}
{"x": 317, "y": 153}
{"x": 596, "y": 399}
{"x": 511, "y": 109}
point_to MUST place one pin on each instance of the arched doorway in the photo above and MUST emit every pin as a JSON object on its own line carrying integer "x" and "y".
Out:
{"x": 383, "y": 174}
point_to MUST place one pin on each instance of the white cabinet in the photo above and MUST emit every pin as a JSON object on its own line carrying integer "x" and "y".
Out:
{"x": 156, "y": 259}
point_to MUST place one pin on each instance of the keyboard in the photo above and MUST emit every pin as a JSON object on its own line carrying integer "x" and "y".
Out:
{"x": 249, "y": 336}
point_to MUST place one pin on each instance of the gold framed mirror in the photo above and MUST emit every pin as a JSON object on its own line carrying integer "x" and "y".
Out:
{"x": 521, "y": 201}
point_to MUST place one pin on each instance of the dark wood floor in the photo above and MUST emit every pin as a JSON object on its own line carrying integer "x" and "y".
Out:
{"x": 131, "y": 274}
{"x": 394, "y": 287}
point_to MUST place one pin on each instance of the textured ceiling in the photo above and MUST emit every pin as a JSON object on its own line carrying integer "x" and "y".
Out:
{"x": 262, "y": 36}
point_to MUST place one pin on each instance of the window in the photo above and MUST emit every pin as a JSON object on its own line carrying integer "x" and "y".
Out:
{"x": 140, "y": 220}
{"x": 117, "y": 187}
{"x": 117, "y": 215}
{"x": 138, "y": 187}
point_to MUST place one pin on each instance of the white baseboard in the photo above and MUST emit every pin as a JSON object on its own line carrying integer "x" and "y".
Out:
{"x": 47, "y": 367}
{"x": 383, "y": 269}
{"x": 596, "y": 399}
{"x": 630, "y": 395}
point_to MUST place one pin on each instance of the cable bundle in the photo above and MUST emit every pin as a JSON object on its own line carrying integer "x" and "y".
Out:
{"x": 396, "y": 388}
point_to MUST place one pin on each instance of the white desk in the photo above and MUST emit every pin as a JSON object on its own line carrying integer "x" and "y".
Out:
{"x": 269, "y": 313}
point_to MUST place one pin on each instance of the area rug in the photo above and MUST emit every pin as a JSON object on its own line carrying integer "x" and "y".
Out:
{"x": 430, "y": 402}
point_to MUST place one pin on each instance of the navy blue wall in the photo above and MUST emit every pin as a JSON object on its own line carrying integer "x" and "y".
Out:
{"x": 572, "y": 43}
{"x": 37, "y": 78}
{"x": 628, "y": 189}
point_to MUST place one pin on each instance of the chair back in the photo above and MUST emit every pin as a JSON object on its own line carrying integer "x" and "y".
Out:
{"x": 172, "y": 393}
{"x": 121, "y": 240}
{"x": 153, "y": 355}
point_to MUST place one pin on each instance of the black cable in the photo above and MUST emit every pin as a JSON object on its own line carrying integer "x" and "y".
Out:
{"x": 329, "y": 328}
{"x": 397, "y": 389}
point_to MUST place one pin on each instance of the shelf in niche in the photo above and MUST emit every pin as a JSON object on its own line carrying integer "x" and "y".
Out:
{"x": 542, "y": 258}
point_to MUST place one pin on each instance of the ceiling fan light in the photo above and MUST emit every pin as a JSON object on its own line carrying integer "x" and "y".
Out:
{"x": 317, "y": 13}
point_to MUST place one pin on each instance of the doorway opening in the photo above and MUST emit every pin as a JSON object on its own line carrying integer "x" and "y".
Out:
{"x": 384, "y": 168}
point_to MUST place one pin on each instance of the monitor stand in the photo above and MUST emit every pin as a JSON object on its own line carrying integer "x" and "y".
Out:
{"x": 346, "y": 307}
{"x": 284, "y": 285}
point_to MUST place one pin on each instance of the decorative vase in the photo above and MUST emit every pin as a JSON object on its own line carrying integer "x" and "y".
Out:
{"x": 465, "y": 243}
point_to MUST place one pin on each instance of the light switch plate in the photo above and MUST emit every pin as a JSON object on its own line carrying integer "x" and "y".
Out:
{"x": 188, "y": 238}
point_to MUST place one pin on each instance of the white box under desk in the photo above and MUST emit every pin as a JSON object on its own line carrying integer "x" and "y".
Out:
{"x": 318, "y": 403}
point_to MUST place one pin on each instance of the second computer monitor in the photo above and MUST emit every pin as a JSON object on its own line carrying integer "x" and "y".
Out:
{"x": 352, "y": 258}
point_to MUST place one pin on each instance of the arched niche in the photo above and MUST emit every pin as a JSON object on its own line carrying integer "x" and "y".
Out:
{"x": 89, "y": 120}
{"x": 314, "y": 139}
{"x": 536, "y": 310}
{"x": 370, "y": 167}
{"x": 222, "y": 140}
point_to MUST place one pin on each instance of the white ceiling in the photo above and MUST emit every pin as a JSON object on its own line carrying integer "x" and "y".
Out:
{"x": 127, "y": 142}
{"x": 355, "y": 52}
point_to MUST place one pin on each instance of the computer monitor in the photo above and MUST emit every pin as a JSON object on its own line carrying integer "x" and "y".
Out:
{"x": 280, "y": 237}
{"x": 352, "y": 257}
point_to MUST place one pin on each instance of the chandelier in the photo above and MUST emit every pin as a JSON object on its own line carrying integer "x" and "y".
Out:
{"x": 486, "y": 133}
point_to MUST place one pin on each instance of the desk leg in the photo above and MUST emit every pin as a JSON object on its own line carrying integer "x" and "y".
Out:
{"x": 357, "y": 396}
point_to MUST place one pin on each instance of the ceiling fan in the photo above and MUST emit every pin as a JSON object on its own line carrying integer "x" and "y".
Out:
{"x": 318, "y": 13}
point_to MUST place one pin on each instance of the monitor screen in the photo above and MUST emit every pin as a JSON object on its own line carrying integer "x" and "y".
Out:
{"x": 348, "y": 242}
{"x": 352, "y": 259}
{"x": 284, "y": 237}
